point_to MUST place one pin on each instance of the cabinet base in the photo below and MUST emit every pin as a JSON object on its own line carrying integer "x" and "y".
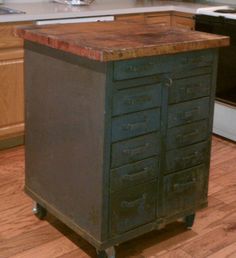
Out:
{"x": 11, "y": 142}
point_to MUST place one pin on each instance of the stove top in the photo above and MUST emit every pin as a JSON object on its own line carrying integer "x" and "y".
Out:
{"x": 225, "y": 11}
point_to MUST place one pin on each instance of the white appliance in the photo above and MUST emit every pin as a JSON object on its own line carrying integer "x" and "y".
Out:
{"x": 222, "y": 20}
{"x": 75, "y": 20}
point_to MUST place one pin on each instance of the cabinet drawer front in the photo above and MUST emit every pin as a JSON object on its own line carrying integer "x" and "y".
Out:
{"x": 131, "y": 125}
{"x": 188, "y": 112}
{"x": 137, "y": 99}
{"x": 140, "y": 67}
{"x": 161, "y": 20}
{"x": 135, "y": 149}
{"x": 186, "y": 157}
{"x": 187, "y": 134}
{"x": 189, "y": 88}
{"x": 135, "y": 173}
{"x": 185, "y": 190}
{"x": 132, "y": 208}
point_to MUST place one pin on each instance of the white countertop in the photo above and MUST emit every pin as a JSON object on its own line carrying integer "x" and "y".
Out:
{"x": 49, "y": 10}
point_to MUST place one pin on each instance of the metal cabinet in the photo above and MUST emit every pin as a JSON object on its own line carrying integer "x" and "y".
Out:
{"x": 118, "y": 149}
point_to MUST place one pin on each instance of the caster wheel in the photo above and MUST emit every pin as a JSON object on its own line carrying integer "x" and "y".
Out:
{"x": 39, "y": 211}
{"x": 189, "y": 220}
{"x": 102, "y": 254}
{"x": 108, "y": 253}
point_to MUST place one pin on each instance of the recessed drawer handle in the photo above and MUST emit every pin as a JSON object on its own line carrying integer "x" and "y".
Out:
{"x": 130, "y": 127}
{"x": 195, "y": 60}
{"x": 138, "y": 100}
{"x": 190, "y": 113}
{"x": 192, "y": 156}
{"x": 180, "y": 186}
{"x": 183, "y": 138}
{"x": 137, "y": 175}
{"x": 141, "y": 68}
{"x": 137, "y": 150}
{"x": 190, "y": 89}
{"x": 134, "y": 203}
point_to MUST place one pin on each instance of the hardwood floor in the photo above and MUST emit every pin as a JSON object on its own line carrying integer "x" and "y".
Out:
{"x": 213, "y": 235}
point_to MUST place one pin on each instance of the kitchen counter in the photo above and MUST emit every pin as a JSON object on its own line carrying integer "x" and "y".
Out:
{"x": 50, "y": 10}
{"x": 106, "y": 41}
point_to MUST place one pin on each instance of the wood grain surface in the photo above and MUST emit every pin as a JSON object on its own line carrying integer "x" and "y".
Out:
{"x": 213, "y": 235}
{"x": 107, "y": 41}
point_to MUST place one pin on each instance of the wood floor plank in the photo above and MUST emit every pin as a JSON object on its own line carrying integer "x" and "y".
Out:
{"x": 213, "y": 235}
{"x": 54, "y": 248}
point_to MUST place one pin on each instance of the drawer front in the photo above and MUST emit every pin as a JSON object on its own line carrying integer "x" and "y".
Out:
{"x": 131, "y": 125}
{"x": 133, "y": 207}
{"x": 185, "y": 190}
{"x": 140, "y": 67}
{"x": 189, "y": 88}
{"x": 188, "y": 112}
{"x": 135, "y": 173}
{"x": 187, "y": 134}
{"x": 135, "y": 149}
{"x": 192, "y": 60}
{"x": 161, "y": 20}
{"x": 137, "y": 99}
{"x": 186, "y": 157}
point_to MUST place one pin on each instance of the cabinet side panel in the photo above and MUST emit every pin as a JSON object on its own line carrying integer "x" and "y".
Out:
{"x": 65, "y": 136}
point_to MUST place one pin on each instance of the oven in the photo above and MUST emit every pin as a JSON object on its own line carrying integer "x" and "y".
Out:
{"x": 222, "y": 20}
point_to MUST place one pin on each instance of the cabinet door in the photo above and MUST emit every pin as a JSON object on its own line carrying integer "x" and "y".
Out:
{"x": 11, "y": 93}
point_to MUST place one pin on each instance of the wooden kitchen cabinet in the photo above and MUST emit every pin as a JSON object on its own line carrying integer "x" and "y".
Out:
{"x": 183, "y": 20}
{"x": 11, "y": 86}
{"x": 177, "y": 19}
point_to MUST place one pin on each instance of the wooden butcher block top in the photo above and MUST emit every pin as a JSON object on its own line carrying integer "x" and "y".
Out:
{"x": 107, "y": 41}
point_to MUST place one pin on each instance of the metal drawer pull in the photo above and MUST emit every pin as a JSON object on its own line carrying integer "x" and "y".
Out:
{"x": 180, "y": 186}
{"x": 134, "y": 203}
{"x": 189, "y": 114}
{"x": 135, "y": 125}
{"x": 137, "y": 150}
{"x": 169, "y": 82}
{"x": 138, "y": 100}
{"x": 141, "y": 68}
{"x": 136, "y": 175}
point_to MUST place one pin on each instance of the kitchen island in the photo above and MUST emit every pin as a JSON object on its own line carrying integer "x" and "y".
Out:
{"x": 118, "y": 126}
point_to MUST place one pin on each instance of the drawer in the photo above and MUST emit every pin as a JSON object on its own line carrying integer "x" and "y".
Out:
{"x": 135, "y": 124}
{"x": 137, "y": 99}
{"x": 186, "y": 157}
{"x": 188, "y": 112}
{"x": 190, "y": 88}
{"x": 188, "y": 134}
{"x": 135, "y": 173}
{"x": 190, "y": 60}
{"x": 185, "y": 190}
{"x": 140, "y": 67}
{"x": 135, "y": 149}
{"x": 133, "y": 207}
